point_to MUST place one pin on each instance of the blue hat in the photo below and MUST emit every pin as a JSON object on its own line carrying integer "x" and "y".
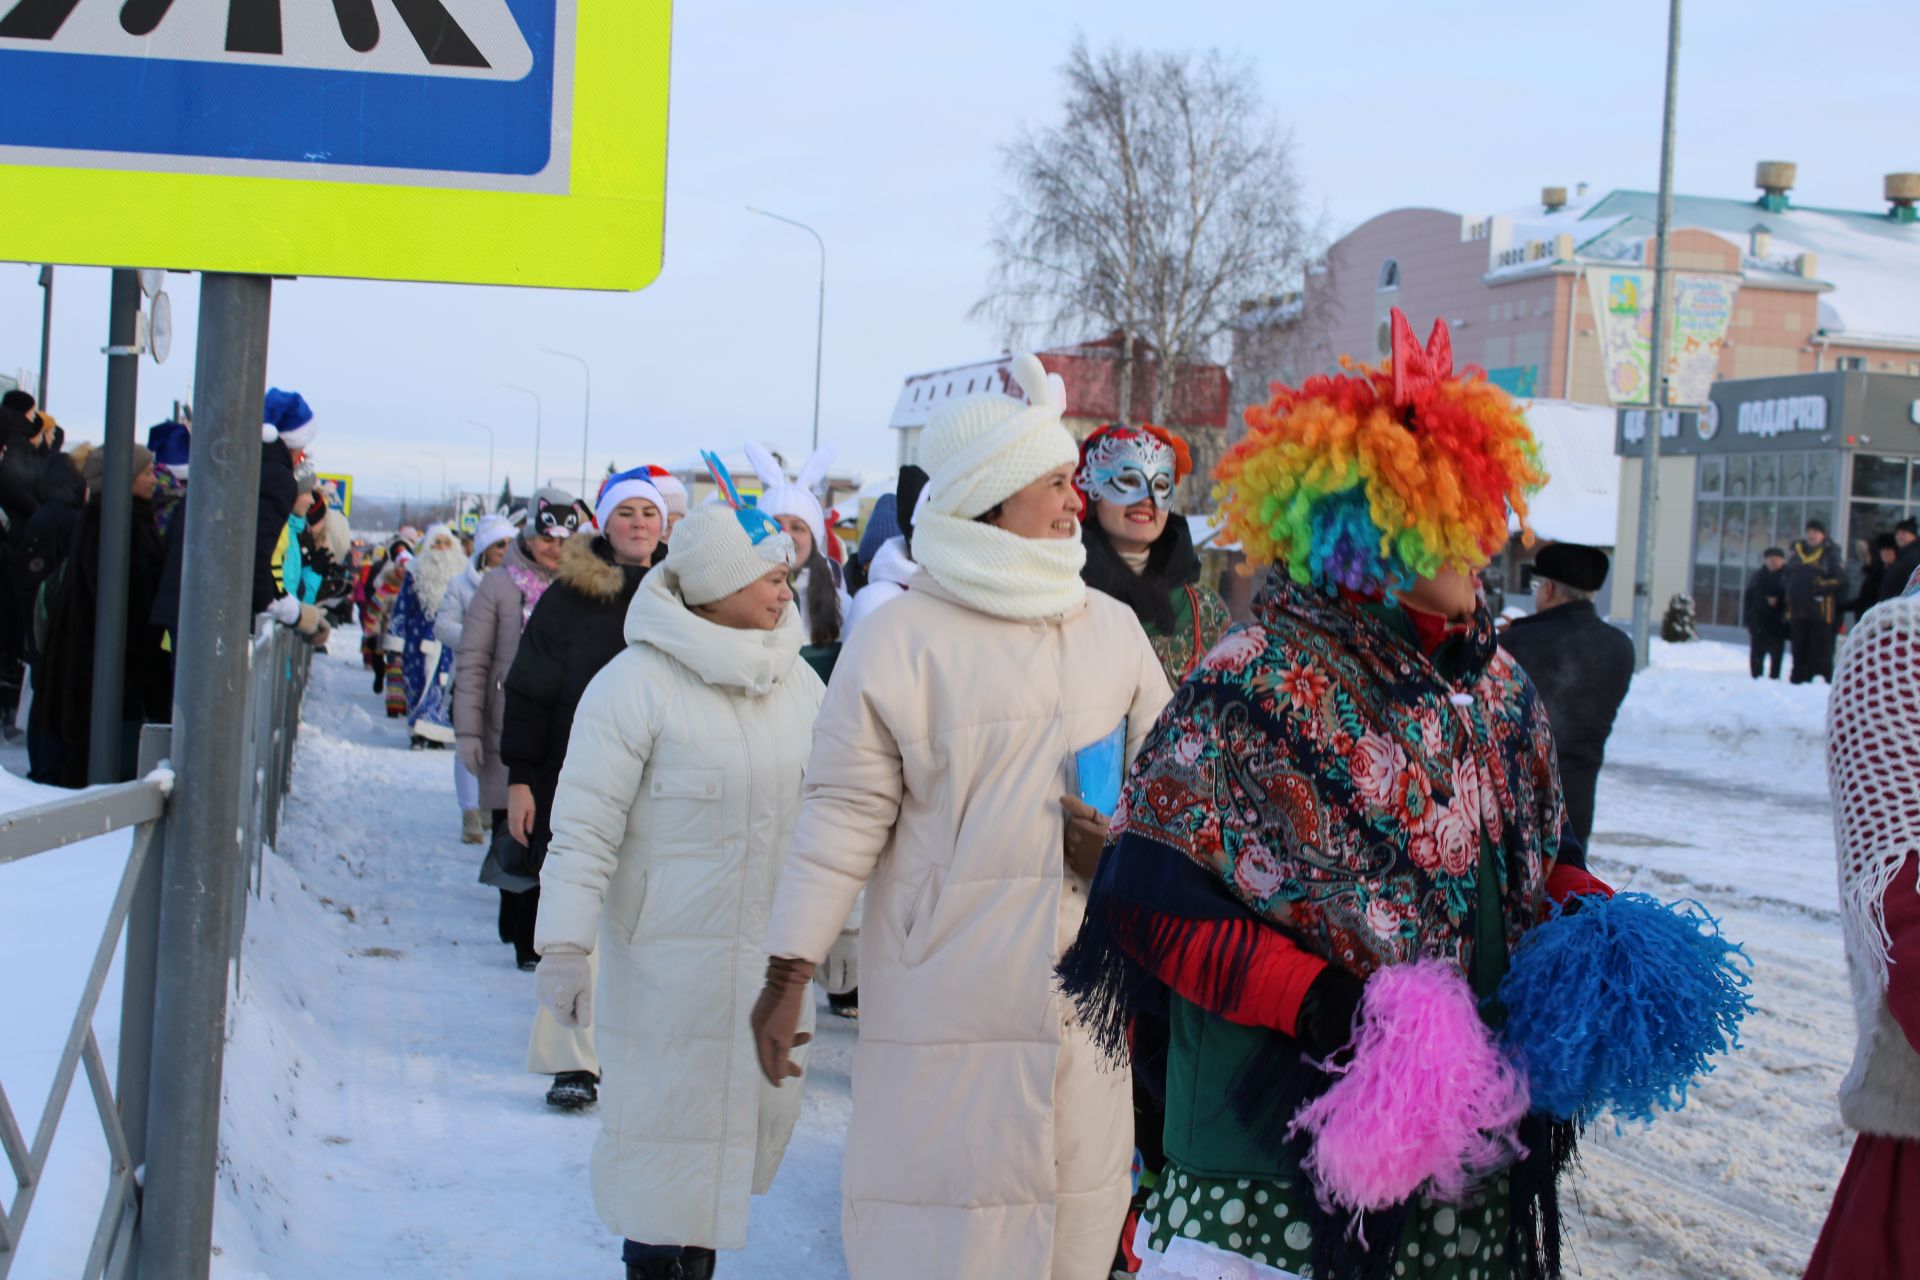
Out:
{"x": 883, "y": 524}
{"x": 170, "y": 443}
{"x": 288, "y": 417}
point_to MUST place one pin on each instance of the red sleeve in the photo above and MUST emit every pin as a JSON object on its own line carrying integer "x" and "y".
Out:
{"x": 1565, "y": 883}
{"x": 1903, "y": 974}
{"x": 1278, "y": 972}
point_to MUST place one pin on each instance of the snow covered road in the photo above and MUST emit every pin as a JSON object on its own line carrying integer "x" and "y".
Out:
{"x": 379, "y": 1122}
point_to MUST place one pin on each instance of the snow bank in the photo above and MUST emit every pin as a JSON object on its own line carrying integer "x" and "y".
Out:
{"x": 1697, "y": 709}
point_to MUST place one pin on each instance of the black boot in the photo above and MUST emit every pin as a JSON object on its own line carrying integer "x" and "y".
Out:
{"x": 574, "y": 1091}
{"x": 693, "y": 1264}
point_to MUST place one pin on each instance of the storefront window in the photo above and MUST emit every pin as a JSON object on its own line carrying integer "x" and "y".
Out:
{"x": 1820, "y": 475}
{"x": 1879, "y": 477}
{"x": 1733, "y": 535}
{"x": 1766, "y": 476}
{"x": 1793, "y": 475}
{"x": 1867, "y": 521}
{"x": 1761, "y": 530}
{"x": 1737, "y": 477}
{"x": 1710, "y": 475}
{"x": 1706, "y": 533}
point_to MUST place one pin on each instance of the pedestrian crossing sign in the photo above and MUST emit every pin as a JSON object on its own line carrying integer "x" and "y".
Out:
{"x": 472, "y": 141}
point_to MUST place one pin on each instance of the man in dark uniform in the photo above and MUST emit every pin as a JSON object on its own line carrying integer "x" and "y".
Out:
{"x": 1580, "y": 664}
{"x": 1764, "y": 612}
{"x": 1815, "y": 580}
{"x": 1906, "y": 559}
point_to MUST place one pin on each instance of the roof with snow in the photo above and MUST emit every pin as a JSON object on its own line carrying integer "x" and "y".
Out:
{"x": 1871, "y": 260}
{"x": 1580, "y": 502}
{"x": 1090, "y": 371}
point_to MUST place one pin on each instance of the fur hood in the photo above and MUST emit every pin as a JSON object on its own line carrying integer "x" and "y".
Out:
{"x": 586, "y": 565}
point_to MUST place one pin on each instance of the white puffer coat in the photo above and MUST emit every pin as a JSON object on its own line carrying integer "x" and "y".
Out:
{"x": 674, "y": 812}
{"x": 988, "y": 1137}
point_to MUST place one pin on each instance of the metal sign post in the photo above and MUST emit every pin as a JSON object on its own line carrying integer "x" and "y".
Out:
{"x": 110, "y": 625}
{"x": 199, "y": 881}
{"x": 1656, "y": 365}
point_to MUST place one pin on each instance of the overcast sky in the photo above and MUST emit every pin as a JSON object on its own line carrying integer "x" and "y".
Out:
{"x": 880, "y": 123}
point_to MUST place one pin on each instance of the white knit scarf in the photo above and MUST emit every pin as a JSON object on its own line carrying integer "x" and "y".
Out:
{"x": 1000, "y": 573}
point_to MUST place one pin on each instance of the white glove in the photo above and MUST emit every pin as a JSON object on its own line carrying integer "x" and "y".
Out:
{"x": 285, "y": 611}
{"x": 566, "y": 987}
{"x": 839, "y": 973}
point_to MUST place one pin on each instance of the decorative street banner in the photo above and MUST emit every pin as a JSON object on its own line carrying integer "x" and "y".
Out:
{"x": 1623, "y": 310}
{"x": 517, "y": 142}
{"x": 338, "y": 491}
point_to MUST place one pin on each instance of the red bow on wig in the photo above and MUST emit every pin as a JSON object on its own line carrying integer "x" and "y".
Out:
{"x": 1415, "y": 372}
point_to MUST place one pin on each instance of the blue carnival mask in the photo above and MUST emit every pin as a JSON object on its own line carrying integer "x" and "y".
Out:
{"x": 1126, "y": 469}
{"x": 770, "y": 541}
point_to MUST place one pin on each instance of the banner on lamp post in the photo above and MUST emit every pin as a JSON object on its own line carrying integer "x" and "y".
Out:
{"x": 1623, "y": 313}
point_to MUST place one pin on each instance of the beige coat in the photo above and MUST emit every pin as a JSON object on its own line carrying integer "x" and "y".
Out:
{"x": 489, "y": 637}
{"x": 675, "y": 807}
{"x": 987, "y": 1138}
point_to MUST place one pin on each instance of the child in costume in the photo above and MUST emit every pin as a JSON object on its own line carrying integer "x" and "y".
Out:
{"x": 1873, "y": 755}
{"x": 1355, "y": 781}
{"x": 1139, "y": 551}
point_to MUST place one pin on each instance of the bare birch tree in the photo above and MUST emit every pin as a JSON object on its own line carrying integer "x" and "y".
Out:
{"x": 1166, "y": 196}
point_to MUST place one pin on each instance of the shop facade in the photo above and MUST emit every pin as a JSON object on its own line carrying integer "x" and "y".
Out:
{"x": 1769, "y": 455}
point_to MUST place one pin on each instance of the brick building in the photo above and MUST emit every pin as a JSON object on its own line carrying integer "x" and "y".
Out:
{"x": 1816, "y": 291}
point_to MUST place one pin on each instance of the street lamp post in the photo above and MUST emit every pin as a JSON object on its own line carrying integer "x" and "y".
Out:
{"x": 820, "y": 323}
{"x": 46, "y": 331}
{"x": 419, "y": 489}
{"x": 1656, "y": 363}
{"x": 537, "y": 408}
{"x": 586, "y": 418}
{"x": 472, "y": 422}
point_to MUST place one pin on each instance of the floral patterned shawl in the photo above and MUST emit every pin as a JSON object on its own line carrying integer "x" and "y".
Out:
{"x": 1339, "y": 786}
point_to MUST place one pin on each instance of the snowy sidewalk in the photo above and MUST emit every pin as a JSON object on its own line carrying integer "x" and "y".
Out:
{"x": 379, "y": 1121}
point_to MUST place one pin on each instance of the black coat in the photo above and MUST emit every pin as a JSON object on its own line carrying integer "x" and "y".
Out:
{"x": 63, "y": 689}
{"x": 1815, "y": 582}
{"x": 1172, "y": 564}
{"x": 20, "y": 470}
{"x": 1581, "y": 667}
{"x": 578, "y": 627}
{"x": 1894, "y": 580}
{"x": 62, "y": 495}
{"x": 277, "y": 492}
{"x": 1756, "y": 613}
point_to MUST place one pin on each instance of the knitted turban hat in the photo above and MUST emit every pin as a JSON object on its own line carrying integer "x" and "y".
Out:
{"x": 982, "y": 450}
{"x": 718, "y": 550}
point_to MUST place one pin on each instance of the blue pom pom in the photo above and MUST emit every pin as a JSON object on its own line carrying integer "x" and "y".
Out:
{"x": 1621, "y": 1004}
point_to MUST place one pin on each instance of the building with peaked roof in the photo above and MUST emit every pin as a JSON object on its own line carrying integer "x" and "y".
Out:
{"x": 1091, "y": 371}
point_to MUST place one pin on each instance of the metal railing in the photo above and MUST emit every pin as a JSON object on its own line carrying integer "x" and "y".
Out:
{"x": 278, "y": 667}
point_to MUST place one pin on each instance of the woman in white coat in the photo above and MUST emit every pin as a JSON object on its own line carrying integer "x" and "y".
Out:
{"x": 987, "y": 1139}
{"x": 673, "y": 813}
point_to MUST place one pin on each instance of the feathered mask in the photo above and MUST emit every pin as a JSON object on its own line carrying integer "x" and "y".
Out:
{"x": 1376, "y": 477}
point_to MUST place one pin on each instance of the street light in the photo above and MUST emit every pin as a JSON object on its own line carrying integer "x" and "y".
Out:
{"x": 820, "y": 324}
{"x": 419, "y": 489}
{"x": 586, "y": 422}
{"x": 46, "y": 332}
{"x": 473, "y": 422}
{"x": 528, "y": 391}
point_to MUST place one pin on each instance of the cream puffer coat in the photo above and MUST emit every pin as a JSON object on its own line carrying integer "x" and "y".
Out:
{"x": 988, "y": 1138}
{"x": 674, "y": 811}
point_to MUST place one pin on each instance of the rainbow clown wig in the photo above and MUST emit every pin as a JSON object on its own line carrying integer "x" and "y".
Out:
{"x": 1376, "y": 477}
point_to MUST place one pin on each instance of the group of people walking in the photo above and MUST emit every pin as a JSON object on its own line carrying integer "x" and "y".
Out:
{"x": 1088, "y": 865}
{"x": 1799, "y": 596}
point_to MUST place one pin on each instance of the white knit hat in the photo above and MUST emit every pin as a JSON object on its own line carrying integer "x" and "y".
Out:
{"x": 491, "y": 531}
{"x": 984, "y": 449}
{"x": 718, "y": 550}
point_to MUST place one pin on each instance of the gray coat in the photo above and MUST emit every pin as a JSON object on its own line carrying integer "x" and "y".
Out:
{"x": 488, "y": 640}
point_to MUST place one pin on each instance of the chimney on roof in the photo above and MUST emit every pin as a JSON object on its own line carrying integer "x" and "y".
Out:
{"x": 1554, "y": 198}
{"x": 1760, "y": 244}
{"x": 1580, "y": 191}
{"x": 1903, "y": 192}
{"x": 1775, "y": 179}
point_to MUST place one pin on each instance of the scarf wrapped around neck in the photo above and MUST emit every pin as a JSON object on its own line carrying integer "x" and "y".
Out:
{"x": 532, "y": 584}
{"x": 1000, "y": 573}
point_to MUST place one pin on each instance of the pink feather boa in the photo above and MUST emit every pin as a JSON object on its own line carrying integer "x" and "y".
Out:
{"x": 1428, "y": 1101}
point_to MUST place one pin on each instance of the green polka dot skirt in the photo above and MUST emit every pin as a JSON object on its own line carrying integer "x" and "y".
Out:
{"x": 1263, "y": 1221}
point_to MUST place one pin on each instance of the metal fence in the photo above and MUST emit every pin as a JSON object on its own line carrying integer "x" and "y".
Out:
{"x": 278, "y": 667}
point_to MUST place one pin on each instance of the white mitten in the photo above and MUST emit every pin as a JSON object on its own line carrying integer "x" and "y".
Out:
{"x": 839, "y": 973}
{"x": 566, "y": 987}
